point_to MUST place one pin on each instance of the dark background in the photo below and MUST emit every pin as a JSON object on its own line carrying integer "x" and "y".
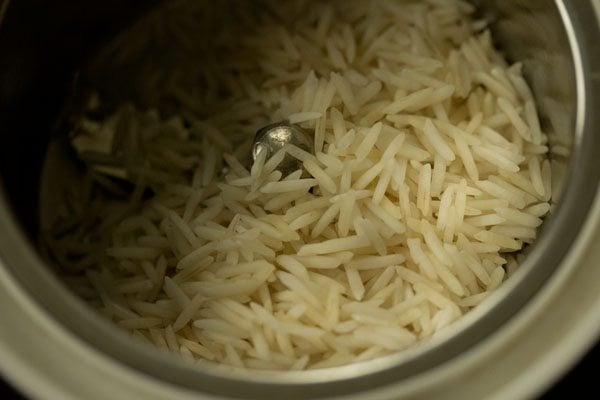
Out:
{"x": 582, "y": 379}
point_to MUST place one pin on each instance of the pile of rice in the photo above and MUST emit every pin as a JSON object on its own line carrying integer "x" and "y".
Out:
{"x": 429, "y": 172}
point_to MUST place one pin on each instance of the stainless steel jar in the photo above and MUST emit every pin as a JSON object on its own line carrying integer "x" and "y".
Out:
{"x": 516, "y": 344}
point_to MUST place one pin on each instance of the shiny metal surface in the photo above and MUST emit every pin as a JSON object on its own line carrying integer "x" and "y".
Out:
{"x": 274, "y": 137}
{"x": 512, "y": 346}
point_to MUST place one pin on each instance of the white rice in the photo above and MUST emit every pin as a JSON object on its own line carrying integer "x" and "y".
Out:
{"x": 429, "y": 168}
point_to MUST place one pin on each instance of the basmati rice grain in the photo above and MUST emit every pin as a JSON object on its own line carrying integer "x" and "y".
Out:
{"x": 354, "y": 280}
{"x": 538, "y": 210}
{"x": 507, "y": 108}
{"x": 345, "y": 91}
{"x": 368, "y": 176}
{"x": 384, "y": 181}
{"x": 496, "y": 278}
{"x": 496, "y": 87}
{"x": 322, "y": 178}
{"x": 497, "y": 239}
{"x": 392, "y": 222}
{"x": 424, "y": 189}
{"x": 369, "y": 141}
{"x": 334, "y": 245}
{"x": 518, "y": 217}
{"x": 417, "y": 254}
{"x": 498, "y": 191}
{"x": 439, "y": 144}
{"x": 467, "y": 158}
{"x": 496, "y": 159}
{"x": 288, "y": 186}
{"x": 367, "y": 228}
{"x": 547, "y": 179}
{"x": 434, "y": 243}
{"x": 300, "y": 117}
{"x": 485, "y": 220}
{"x": 533, "y": 121}
{"x": 347, "y": 204}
